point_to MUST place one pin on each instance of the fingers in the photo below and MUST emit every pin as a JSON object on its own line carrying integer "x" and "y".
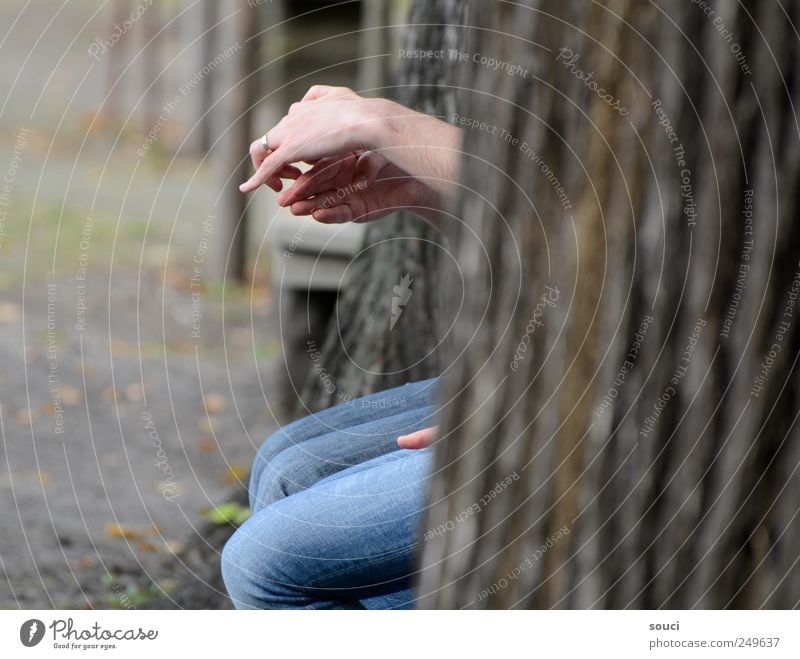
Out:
{"x": 318, "y": 91}
{"x": 419, "y": 439}
{"x": 368, "y": 167}
{"x": 269, "y": 163}
{"x": 335, "y": 214}
{"x": 322, "y": 200}
{"x": 329, "y": 209}
{"x": 360, "y": 168}
{"x": 318, "y": 178}
{"x": 257, "y": 153}
{"x": 274, "y": 162}
{"x": 288, "y": 171}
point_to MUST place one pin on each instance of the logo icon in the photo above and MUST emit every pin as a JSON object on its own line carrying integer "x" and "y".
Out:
{"x": 31, "y": 632}
{"x": 402, "y": 294}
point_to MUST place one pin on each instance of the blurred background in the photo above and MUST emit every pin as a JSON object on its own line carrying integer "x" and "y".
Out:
{"x": 156, "y": 325}
{"x": 139, "y": 322}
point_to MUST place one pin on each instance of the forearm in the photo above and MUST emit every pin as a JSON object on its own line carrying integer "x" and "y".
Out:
{"x": 431, "y": 205}
{"x": 424, "y": 146}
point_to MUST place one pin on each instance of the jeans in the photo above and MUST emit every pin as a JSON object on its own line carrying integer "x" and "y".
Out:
{"x": 336, "y": 508}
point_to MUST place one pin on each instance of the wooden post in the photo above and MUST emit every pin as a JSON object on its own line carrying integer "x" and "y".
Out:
{"x": 237, "y": 90}
{"x": 197, "y": 24}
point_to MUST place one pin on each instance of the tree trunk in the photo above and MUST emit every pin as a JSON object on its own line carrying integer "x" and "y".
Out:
{"x": 368, "y": 346}
{"x": 197, "y": 25}
{"x": 620, "y": 428}
{"x": 238, "y": 92}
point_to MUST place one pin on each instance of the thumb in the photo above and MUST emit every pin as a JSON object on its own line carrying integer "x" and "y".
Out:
{"x": 419, "y": 439}
{"x": 368, "y": 166}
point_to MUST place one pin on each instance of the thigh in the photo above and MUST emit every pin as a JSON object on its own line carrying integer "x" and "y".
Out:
{"x": 352, "y": 536}
{"x": 347, "y": 426}
{"x": 340, "y": 418}
{"x": 300, "y": 466}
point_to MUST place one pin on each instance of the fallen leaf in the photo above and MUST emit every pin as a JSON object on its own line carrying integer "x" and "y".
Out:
{"x": 83, "y": 563}
{"x": 10, "y": 313}
{"x": 173, "y": 546}
{"x": 70, "y": 395}
{"x": 96, "y": 121}
{"x": 236, "y": 473}
{"x": 121, "y": 348}
{"x": 133, "y": 392}
{"x": 206, "y": 445}
{"x": 109, "y": 393}
{"x": 177, "y": 279}
{"x": 146, "y": 545}
{"x": 215, "y": 403}
{"x": 24, "y": 417}
{"x": 124, "y": 532}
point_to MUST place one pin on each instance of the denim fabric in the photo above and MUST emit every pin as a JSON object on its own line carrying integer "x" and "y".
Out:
{"x": 336, "y": 508}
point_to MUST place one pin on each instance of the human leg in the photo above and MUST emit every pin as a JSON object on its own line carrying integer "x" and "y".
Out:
{"x": 333, "y": 439}
{"x": 346, "y": 542}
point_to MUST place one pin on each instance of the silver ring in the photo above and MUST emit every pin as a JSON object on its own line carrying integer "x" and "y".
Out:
{"x": 265, "y": 142}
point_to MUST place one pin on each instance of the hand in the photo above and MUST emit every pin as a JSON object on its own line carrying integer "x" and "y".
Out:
{"x": 358, "y": 187}
{"x": 419, "y": 439}
{"x": 257, "y": 155}
{"x": 334, "y": 124}
{"x": 328, "y": 121}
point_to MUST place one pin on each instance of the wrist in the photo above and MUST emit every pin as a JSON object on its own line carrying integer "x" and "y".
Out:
{"x": 385, "y": 128}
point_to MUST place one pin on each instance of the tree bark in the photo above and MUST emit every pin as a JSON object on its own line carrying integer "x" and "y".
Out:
{"x": 362, "y": 351}
{"x": 631, "y": 439}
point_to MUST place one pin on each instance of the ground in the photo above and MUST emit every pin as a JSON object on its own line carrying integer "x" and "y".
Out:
{"x": 127, "y": 419}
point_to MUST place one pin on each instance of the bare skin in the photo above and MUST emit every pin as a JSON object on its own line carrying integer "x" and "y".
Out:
{"x": 369, "y": 157}
{"x": 419, "y": 439}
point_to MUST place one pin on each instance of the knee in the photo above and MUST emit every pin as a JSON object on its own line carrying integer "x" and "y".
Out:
{"x": 246, "y": 571}
{"x": 283, "y": 474}
{"x": 274, "y": 445}
{"x": 236, "y": 565}
{"x": 259, "y": 567}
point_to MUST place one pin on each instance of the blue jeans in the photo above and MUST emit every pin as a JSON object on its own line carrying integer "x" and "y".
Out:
{"x": 336, "y": 508}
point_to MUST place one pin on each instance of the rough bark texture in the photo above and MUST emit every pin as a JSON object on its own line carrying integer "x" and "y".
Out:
{"x": 360, "y": 353}
{"x": 610, "y": 469}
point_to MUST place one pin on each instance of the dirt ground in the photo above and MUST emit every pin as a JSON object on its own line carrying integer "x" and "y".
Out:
{"x": 133, "y": 392}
